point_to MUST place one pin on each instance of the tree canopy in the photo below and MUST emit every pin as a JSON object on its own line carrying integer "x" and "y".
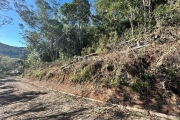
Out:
{"x": 57, "y": 31}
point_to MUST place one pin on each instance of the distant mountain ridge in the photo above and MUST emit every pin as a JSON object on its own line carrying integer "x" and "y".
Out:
{"x": 12, "y": 51}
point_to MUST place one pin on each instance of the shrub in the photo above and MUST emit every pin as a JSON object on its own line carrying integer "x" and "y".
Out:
{"x": 140, "y": 85}
{"x": 166, "y": 14}
{"x": 149, "y": 76}
{"x": 38, "y": 74}
{"x": 114, "y": 82}
{"x": 75, "y": 78}
{"x": 83, "y": 76}
{"x": 88, "y": 50}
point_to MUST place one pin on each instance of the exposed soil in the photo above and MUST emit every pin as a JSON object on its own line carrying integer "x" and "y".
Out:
{"x": 140, "y": 73}
{"x": 158, "y": 99}
{"x": 112, "y": 95}
{"x": 21, "y": 100}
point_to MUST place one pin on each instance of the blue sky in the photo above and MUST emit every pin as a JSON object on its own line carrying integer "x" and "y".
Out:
{"x": 9, "y": 34}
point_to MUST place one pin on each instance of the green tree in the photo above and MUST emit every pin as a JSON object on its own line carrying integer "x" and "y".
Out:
{"x": 76, "y": 17}
{"x": 76, "y": 13}
{"x": 45, "y": 27}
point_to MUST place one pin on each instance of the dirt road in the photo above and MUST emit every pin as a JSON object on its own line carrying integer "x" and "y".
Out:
{"x": 21, "y": 100}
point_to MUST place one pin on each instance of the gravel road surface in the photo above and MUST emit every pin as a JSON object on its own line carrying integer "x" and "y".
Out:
{"x": 20, "y": 100}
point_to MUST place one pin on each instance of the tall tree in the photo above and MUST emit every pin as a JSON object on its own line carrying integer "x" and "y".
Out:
{"x": 27, "y": 14}
{"x": 77, "y": 14}
{"x": 44, "y": 25}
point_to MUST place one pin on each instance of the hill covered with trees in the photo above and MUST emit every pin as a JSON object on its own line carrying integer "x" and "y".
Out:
{"x": 13, "y": 52}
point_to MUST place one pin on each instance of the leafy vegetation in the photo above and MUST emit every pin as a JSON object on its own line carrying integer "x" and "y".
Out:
{"x": 59, "y": 32}
{"x": 10, "y": 66}
{"x": 75, "y": 29}
{"x": 83, "y": 76}
{"x": 128, "y": 50}
{"x": 115, "y": 45}
{"x": 140, "y": 85}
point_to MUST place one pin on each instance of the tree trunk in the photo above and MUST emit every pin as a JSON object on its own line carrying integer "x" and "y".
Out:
{"x": 132, "y": 29}
{"x": 51, "y": 43}
{"x": 80, "y": 36}
{"x": 131, "y": 22}
{"x": 149, "y": 13}
{"x": 144, "y": 15}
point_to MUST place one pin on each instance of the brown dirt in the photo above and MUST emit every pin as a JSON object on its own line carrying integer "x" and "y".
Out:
{"x": 116, "y": 95}
{"x": 161, "y": 47}
{"x": 112, "y": 95}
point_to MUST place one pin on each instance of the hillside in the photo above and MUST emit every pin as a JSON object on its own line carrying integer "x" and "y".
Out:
{"x": 146, "y": 76}
{"x": 124, "y": 57}
{"x": 14, "y": 52}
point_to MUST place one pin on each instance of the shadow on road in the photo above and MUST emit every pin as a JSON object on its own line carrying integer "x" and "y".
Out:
{"x": 8, "y": 80}
{"x": 39, "y": 109}
{"x": 62, "y": 115}
{"x": 7, "y": 95}
{"x": 36, "y": 108}
{"x": 4, "y": 81}
{"x": 6, "y": 87}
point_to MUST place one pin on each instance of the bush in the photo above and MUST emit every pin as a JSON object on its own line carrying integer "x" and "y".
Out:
{"x": 167, "y": 14}
{"x": 88, "y": 50}
{"x": 83, "y": 76}
{"x": 140, "y": 85}
{"x": 149, "y": 76}
{"x": 172, "y": 78}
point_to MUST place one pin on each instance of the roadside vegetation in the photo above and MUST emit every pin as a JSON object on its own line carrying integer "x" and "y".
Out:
{"x": 78, "y": 28}
{"x": 129, "y": 47}
{"x": 10, "y": 66}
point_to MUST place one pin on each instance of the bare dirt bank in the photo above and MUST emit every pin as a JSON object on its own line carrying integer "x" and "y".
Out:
{"x": 77, "y": 92}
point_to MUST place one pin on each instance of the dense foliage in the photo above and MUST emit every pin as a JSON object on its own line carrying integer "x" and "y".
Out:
{"x": 54, "y": 31}
{"x": 10, "y": 66}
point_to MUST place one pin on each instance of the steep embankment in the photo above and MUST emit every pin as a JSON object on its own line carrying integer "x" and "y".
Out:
{"x": 143, "y": 72}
